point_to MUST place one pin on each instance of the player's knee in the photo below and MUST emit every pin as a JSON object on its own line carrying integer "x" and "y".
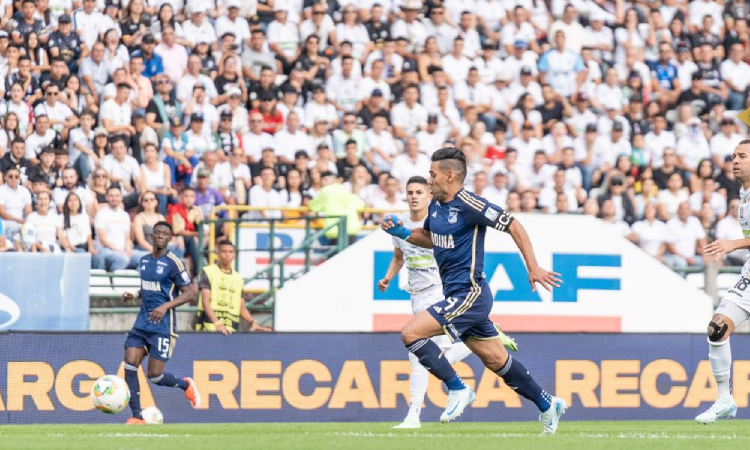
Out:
{"x": 717, "y": 330}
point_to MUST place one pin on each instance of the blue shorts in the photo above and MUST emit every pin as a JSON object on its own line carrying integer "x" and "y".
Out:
{"x": 467, "y": 315}
{"x": 159, "y": 346}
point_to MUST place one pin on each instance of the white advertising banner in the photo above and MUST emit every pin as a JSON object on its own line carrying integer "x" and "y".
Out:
{"x": 609, "y": 285}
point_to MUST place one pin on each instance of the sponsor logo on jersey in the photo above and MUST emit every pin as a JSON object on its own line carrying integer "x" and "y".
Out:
{"x": 443, "y": 241}
{"x": 154, "y": 286}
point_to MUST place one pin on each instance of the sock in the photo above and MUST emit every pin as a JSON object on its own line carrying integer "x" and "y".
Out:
{"x": 518, "y": 378}
{"x": 418, "y": 387}
{"x": 131, "y": 378}
{"x": 720, "y": 357}
{"x": 457, "y": 352}
{"x": 430, "y": 356}
{"x": 169, "y": 380}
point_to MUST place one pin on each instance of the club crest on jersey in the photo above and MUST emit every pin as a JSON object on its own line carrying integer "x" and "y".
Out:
{"x": 159, "y": 270}
{"x": 453, "y": 215}
{"x": 434, "y": 214}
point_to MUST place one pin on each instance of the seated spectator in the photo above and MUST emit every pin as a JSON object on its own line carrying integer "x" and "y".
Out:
{"x": 383, "y": 147}
{"x": 114, "y": 248}
{"x": 15, "y": 158}
{"x": 256, "y": 139}
{"x": 293, "y": 193}
{"x": 143, "y": 228}
{"x": 206, "y": 197}
{"x": 157, "y": 178}
{"x": 70, "y": 185}
{"x": 15, "y": 203}
{"x": 263, "y": 195}
{"x": 671, "y": 198}
{"x": 624, "y": 209}
{"x": 185, "y": 218}
{"x": 410, "y": 163}
{"x": 291, "y": 139}
{"x": 237, "y": 171}
{"x": 686, "y": 239}
{"x": 498, "y": 193}
{"x": 608, "y": 214}
{"x": 349, "y": 132}
{"x": 42, "y": 137}
{"x": 529, "y": 202}
{"x": 74, "y": 226}
{"x": 46, "y": 169}
{"x": 648, "y": 195}
{"x": 197, "y": 137}
{"x": 693, "y": 146}
{"x": 729, "y": 228}
{"x": 226, "y": 137}
{"x": 180, "y": 156}
{"x": 116, "y": 114}
{"x": 651, "y": 233}
{"x": 124, "y": 172}
{"x": 350, "y": 160}
{"x": 44, "y": 223}
{"x": 708, "y": 195}
{"x": 548, "y": 195}
{"x": 319, "y": 109}
{"x": 392, "y": 202}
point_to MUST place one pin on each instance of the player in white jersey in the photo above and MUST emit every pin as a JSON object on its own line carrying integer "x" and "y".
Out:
{"x": 734, "y": 307}
{"x": 426, "y": 289}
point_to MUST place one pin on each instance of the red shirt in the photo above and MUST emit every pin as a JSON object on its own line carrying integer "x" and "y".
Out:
{"x": 270, "y": 121}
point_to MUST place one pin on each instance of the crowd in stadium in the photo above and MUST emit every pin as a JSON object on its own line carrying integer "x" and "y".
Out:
{"x": 617, "y": 109}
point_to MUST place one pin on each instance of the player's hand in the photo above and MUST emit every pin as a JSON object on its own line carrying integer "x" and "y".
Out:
{"x": 221, "y": 328}
{"x": 127, "y": 296}
{"x": 157, "y": 314}
{"x": 718, "y": 248}
{"x": 547, "y": 279}
{"x": 383, "y": 284}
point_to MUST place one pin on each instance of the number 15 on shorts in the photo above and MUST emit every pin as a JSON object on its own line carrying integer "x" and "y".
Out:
{"x": 162, "y": 344}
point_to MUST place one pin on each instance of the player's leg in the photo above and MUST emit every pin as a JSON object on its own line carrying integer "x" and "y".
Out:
{"x": 135, "y": 351}
{"x": 417, "y": 389}
{"x": 159, "y": 353}
{"x": 728, "y": 315}
{"x": 416, "y": 336}
{"x": 484, "y": 341}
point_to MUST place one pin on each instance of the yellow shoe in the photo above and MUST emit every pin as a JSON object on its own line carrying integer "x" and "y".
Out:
{"x": 508, "y": 342}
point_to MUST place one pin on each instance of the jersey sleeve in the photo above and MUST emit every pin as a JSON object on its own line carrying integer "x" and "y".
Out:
{"x": 180, "y": 276}
{"x": 478, "y": 211}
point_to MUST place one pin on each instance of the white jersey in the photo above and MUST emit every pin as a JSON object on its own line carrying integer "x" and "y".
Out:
{"x": 420, "y": 262}
{"x": 736, "y": 302}
{"x": 745, "y": 223}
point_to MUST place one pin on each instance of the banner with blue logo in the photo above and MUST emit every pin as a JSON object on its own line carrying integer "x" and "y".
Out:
{"x": 44, "y": 291}
{"x": 312, "y": 377}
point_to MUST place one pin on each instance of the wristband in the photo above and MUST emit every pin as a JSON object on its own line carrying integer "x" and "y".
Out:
{"x": 399, "y": 231}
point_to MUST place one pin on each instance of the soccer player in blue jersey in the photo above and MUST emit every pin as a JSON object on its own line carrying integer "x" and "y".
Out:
{"x": 455, "y": 228}
{"x": 154, "y": 330}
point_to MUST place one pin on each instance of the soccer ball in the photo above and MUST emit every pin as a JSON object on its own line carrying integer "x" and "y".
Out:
{"x": 153, "y": 416}
{"x": 110, "y": 394}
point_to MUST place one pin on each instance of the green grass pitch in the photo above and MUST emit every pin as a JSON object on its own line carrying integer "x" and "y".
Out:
{"x": 682, "y": 435}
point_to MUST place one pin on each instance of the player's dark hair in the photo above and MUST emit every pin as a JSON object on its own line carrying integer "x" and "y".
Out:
{"x": 225, "y": 243}
{"x": 744, "y": 142}
{"x": 163, "y": 223}
{"x": 417, "y": 179}
{"x": 451, "y": 158}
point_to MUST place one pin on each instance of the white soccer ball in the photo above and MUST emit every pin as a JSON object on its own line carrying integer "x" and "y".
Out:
{"x": 153, "y": 416}
{"x": 110, "y": 394}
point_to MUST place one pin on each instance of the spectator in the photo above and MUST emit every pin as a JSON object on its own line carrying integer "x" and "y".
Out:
{"x": 708, "y": 195}
{"x": 392, "y": 201}
{"x": 15, "y": 203}
{"x": 60, "y": 194}
{"x": 729, "y": 228}
{"x": 651, "y": 233}
{"x": 256, "y": 139}
{"x": 408, "y": 116}
{"x": 410, "y": 163}
{"x": 265, "y": 196}
{"x": 334, "y": 200}
{"x": 624, "y": 209}
{"x": 723, "y": 143}
{"x": 548, "y": 195}
{"x": 123, "y": 171}
{"x": 74, "y": 226}
{"x": 185, "y": 218}
{"x": 157, "y": 178}
{"x": 292, "y": 139}
{"x": 568, "y": 68}
{"x": 44, "y": 223}
{"x": 686, "y": 239}
{"x": 206, "y": 197}
{"x": 383, "y": 147}
{"x": 114, "y": 248}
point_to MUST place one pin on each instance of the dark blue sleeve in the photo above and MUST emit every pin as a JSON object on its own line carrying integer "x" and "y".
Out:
{"x": 180, "y": 277}
{"x": 478, "y": 211}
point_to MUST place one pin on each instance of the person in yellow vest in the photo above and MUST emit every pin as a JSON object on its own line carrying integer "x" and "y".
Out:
{"x": 221, "y": 305}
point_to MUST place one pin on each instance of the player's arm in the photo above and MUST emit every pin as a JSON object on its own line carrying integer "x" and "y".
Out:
{"x": 204, "y": 284}
{"x": 720, "y": 247}
{"x": 397, "y": 262}
{"x": 188, "y": 293}
{"x": 418, "y": 236}
{"x": 247, "y": 317}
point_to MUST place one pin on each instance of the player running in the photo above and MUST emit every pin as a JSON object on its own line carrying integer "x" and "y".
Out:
{"x": 734, "y": 308}
{"x": 455, "y": 227}
{"x": 426, "y": 289}
{"x": 155, "y": 326}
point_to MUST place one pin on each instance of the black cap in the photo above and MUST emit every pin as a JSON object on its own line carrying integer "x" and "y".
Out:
{"x": 376, "y": 93}
{"x": 526, "y": 70}
{"x": 226, "y": 113}
{"x": 489, "y": 45}
{"x": 432, "y": 118}
{"x": 64, "y": 19}
{"x": 288, "y": 89}
{"x": 697, "y": 75}
{"x": 591, "y": 128}
{"x": 268, "y": 95}
{"x": 408, "y": 67}
{"x": 301, "y": 154}
{"x": 196, "y": 117}
{"x": 175, "y": 122}
{"x": 617, "y": 126}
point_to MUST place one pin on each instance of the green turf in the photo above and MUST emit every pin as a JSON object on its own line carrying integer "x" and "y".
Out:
{"x": 682, "y": 435}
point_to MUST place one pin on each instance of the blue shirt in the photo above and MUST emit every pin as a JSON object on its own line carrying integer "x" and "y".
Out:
{"x": 151, "y": 67}
{"x": 159, "y": 278}
{"x": 457, "y": 229}
{"x": 666, "y": 75}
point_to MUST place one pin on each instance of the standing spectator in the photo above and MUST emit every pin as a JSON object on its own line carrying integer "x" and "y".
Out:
{"x": 185, "y": 218}
{"x": 114, "y": 248}
{"x": 686, "y": 239}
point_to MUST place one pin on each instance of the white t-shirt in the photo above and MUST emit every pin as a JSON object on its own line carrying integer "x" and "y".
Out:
{"x": 79, "y": 231}
{"x": 45, "y": 227}
{"x": 717, "y": 202}
{"x": 125, "y": 170}
{"x": 14, "y": 202}
{"x": 255, "y": 144}
{"x": 60, "y": 194}
{"x": 685, "y": 235}
{"x": 35, "y": 143}
{"x": 116, "y": 226}
{"x": 287, "y": 144}
{"x": 404, "y": 168}
{"x": 268, "y": 199}
{"x": 419, "y": 262}
{"x": 120, "y": 115}
{"x": 650, "y": 235}
{"x": 409, "y": 119}
{"x": 286, "y": 36}
{"x": 671, "y": 201}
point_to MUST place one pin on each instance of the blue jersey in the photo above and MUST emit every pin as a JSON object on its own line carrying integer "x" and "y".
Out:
{"x": 666, "y": 75}
{"x": 160, "y": 278}
{"x": 457, "y": 229}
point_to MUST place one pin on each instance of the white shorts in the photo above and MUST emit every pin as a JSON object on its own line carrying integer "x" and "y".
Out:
{"x": 736, "y": 303}
{"x": 423, "y": 300}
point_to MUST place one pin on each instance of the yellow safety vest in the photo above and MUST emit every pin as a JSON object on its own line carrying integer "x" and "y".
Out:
{"x": 226, "y": 299}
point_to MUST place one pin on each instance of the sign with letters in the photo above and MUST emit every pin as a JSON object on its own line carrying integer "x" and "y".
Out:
{"x": 609, "y": 285}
